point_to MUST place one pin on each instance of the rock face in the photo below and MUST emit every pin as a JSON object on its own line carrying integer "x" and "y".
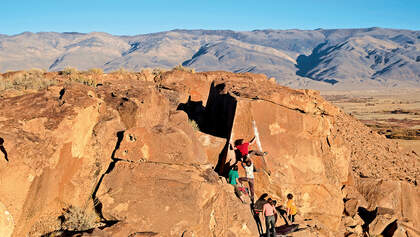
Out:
{"x": 146, "y": 155}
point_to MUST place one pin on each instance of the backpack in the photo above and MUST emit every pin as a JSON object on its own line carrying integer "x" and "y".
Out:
{"x": 243, "y": 190}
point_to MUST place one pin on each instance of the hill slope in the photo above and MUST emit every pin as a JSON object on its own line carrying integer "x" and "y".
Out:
{"x": 331, "y": 59}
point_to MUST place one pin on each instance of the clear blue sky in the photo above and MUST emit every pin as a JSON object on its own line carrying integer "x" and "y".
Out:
{"x": 130, "y": 17}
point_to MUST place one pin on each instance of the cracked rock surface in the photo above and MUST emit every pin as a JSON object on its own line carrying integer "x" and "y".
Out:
{"x": 147, "y": 156}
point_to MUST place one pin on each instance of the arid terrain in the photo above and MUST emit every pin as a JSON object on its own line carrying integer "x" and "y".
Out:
{"x": 394, "y": 113}
{"x": 118, "y": 154}
{"x": 328, "y": 59}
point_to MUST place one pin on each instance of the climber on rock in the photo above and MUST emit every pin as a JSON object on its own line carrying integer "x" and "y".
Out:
{"x": 2, "y": 149}
{"x": 242, "y": 149}
{"x": 249, "y": 171}
{"x": 233, "y": 179}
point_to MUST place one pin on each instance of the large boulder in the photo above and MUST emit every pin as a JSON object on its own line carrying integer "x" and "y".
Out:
{"x": 146, "y": 155}
{"x": 171, "y": 200}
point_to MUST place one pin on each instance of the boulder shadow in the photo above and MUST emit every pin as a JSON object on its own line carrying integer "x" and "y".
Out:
{"x": 215, "y": 119}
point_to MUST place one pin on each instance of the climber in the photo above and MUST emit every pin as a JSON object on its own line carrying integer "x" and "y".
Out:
{"x": 291, "y": 208}
{"x": 268, "y": 211}
{"x": 233, "y": 179}
{"x": 249, "y": 171}
{"x": 2, "y": 149}
{"x": 242, "y": 149}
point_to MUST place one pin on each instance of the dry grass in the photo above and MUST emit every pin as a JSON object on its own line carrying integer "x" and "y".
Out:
{"x": 185, "y": 69}
{"x": 38, "y": 79}
{"x": 88, "y": 78}
{"x": 69, "y": 71}
{"x": 96, "y": 71}
{"x": 33, "y": 79}
{"x": 121, "y": 70}
{"x": 78, "y": 219}
{"x": 194, "y": 125}
{"x": 83, "y": 79}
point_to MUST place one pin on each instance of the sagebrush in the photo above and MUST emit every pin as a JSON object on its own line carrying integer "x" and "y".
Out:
{"x": 78, "y": 219}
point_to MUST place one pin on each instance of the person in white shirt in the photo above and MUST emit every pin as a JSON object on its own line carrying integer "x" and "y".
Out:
{"x": 249, "y": 170}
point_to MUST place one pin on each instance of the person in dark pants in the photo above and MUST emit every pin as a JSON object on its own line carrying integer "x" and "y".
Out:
{"x": 249, "y": 171}
{"x": 268, "y": 211}
{"x": 2, "y": 149}
{"x": 233, "y": 179}
{"x": 257, "y": 208}
{"x": 242, "y": 149}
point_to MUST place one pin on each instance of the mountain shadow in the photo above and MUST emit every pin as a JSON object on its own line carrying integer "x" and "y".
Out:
{"x": 305, "y": 64}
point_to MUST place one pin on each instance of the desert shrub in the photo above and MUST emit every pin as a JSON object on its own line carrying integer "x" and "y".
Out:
{"x": 158, "y": 71}
{"x": 85, "y": 80}
{"x": 185, "y": 69}
{"x": 26, "y": 80}
{"x": 210, "y": 176}
{"x": 36, "y": 71}
{"x": 121, "y": 70}
{"x": 78, "y": 219}
{"x": 97, "y": 71}
{"x": 69, "y": 71}
{"x": 194, "y": 125}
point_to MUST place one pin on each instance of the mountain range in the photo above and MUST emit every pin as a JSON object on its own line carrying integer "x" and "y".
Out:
{"x": 370, "y": 58}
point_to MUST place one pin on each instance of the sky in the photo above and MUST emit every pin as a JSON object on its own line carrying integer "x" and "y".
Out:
{"x": 131, "y": 17}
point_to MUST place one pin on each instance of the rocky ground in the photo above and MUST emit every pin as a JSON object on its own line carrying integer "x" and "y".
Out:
{"x": 145, "y": 154}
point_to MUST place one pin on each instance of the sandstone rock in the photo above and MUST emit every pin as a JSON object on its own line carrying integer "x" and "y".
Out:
{"x": 348, "y": 221}
{"x": 379, "y": 224}
{"x": 350, "y": 207}
{"x": 212, "y": 146}
{"x": 129, "y": 148}
{"x": 393, "y": 198}
{"x": 6, "y": 222}
{"x": 171, "y": 200}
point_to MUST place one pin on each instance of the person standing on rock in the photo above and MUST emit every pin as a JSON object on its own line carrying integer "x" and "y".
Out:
{"x": 2, "y": 149}
{"x": 233, "y": 179}
{"x": 291, "y": 208}
{"x": 243, "y": 151}
{"x": 249, "y": 171}
{"x": 268, "y": 211}
{"x": 275, "y": 211}
{"x": 257, "y": 208}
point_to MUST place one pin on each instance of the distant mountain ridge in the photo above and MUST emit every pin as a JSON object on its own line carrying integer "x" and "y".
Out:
{"x": 321, "y": 59}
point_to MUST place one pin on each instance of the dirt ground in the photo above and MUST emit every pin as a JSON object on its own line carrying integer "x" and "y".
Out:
{"x": 394, "y": 113}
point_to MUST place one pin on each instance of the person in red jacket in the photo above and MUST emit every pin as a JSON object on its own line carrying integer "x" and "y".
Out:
{"x": 243, "y": 151}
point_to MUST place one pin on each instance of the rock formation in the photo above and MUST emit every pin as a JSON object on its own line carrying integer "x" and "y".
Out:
{"x": 146, "y": 155}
